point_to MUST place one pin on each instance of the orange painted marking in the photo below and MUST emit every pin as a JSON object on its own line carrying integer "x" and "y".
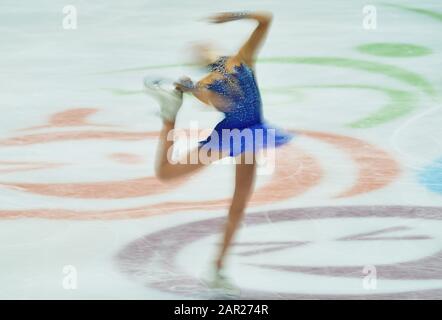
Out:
{"x": 70, "y": 118}
{"x": 294, "y": 174}
{"x": 376, "y": 168}
{"x": 76, "y": 135}
{"x": 144, "y": 186}
{"x": 26, "y": 166}
{"x": 140, "y": 187}
{"x": 126, "y": 158}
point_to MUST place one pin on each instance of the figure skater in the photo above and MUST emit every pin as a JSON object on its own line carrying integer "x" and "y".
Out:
{"x": 231, "y": 87}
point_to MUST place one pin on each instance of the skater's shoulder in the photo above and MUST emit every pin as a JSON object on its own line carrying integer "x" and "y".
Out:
{"x": 209, "y": 79}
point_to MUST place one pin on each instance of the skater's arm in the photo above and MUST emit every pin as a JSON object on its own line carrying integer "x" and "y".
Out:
{"x": 201, "y": 92}
{"x": 250, "y": 48}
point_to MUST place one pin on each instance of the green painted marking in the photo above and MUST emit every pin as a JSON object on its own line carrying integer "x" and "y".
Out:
{"x": 295, "y": 95}
{"x": 123, "y": 92}
{"x": 401, "y": 50}
{"x": 400, "y": 74}
{"x": 397, "y": 73}
{"x": 143, "y": 68}
{"x": 401, "y": 102}
{"x": 431, "y": 14}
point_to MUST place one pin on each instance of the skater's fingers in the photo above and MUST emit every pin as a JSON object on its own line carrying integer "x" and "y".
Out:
{"x": 219, "y": 18}
{"x": 180, "y": 87}
{"x": 185, "y": 84}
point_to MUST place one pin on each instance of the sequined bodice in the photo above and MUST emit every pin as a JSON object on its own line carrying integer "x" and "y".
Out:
{"x": 241, "y": 92}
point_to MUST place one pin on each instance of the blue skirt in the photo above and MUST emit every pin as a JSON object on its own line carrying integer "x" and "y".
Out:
{"x": 235, "y": 141}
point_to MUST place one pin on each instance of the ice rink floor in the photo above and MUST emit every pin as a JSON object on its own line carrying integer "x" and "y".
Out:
{"x": 351, "y": 209}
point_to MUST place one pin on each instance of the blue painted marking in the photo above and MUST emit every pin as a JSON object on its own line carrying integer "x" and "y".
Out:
{"x": 431, "y": 176}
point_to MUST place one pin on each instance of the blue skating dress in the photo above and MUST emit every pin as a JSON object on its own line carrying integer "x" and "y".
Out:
{"x": 243, "y": 128}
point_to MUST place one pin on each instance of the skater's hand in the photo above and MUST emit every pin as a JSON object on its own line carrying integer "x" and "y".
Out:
{"x": 226, "y": 17}
{"x": 185, "y": 84}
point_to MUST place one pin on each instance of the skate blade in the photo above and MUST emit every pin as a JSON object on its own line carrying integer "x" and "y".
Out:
{"x": 221, "y": 291}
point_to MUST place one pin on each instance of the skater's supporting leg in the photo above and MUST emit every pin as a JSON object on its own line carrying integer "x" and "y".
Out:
{"x": 244, "y": 181}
